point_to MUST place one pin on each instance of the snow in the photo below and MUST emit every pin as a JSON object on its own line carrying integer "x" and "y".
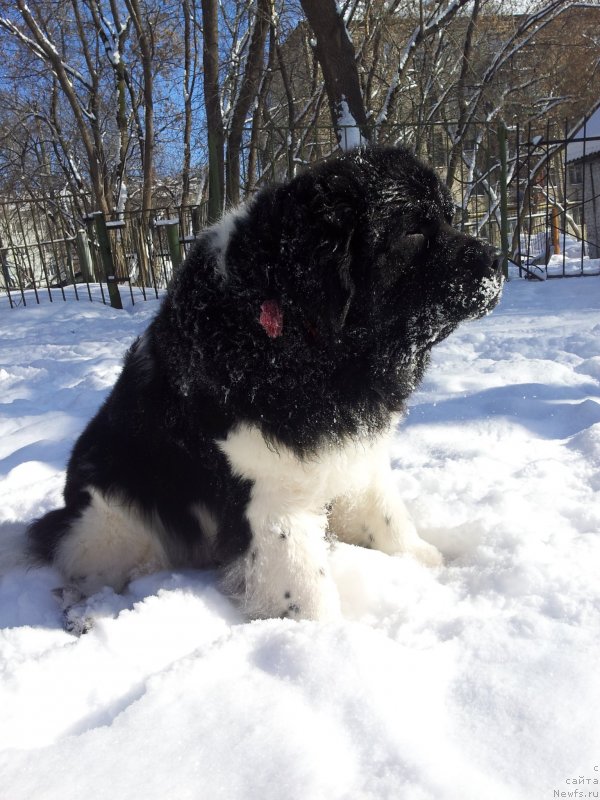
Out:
{"x": 571, "y": 261}
{"x": 347, "y": 128}
{"x": 479, "y": 679}
{"x": 114, "y": 57}
{"x": 122, "y": 198}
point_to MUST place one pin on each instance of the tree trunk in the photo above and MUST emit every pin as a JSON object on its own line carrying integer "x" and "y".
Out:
{"x": 212, "y": 103}
{"x": 189, "y": 44}
{"x": 336, "y": 55}
{"x": 148, "y": 93}
{"x": 248, "y": 89}
{"x": 457, "y": 144}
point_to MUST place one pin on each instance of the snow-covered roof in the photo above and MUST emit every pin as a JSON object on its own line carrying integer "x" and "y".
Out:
{"x": 575, "y": 150}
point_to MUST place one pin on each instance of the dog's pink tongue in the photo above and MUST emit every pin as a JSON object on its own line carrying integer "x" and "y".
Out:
{"x": 271, "y": 318}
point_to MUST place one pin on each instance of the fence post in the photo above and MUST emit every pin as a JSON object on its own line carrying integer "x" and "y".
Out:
{"x": 555, "y": 230}
{"x": 84, "y": 255}
{"x": 4, "y": 265}
{"x": 107, "y": 260}
{"x": 503, "y": 197}
{"x": 174, "y": 244}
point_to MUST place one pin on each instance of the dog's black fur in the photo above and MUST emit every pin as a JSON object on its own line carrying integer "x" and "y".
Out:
{"x": 359, "y": 256}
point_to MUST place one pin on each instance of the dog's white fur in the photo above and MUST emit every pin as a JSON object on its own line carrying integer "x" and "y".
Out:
{"x": 286, "y": 569}
{"x": 346, "y": 490}
{"x": 221, "y": 233}
{"x": 109, "y": 545}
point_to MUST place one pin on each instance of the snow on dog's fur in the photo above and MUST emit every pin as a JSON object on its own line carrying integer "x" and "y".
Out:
{"x": 249, "y": 425}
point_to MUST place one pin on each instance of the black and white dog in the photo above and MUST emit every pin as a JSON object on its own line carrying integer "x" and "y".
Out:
{"x": 249, "y": 424}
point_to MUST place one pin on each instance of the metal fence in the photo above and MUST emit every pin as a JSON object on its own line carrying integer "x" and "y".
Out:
{"x": 48, "y": 252}
{"x": 557, "y": 185}
{"x": 533, "y": 193}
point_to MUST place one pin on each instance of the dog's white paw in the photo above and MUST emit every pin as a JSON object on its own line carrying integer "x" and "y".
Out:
{"x": 425, "y": 553}
{"x": 301, "y": 590}
{"x": 76, "y": 616}
{"x": 314, "y": 600}
{"x": 321, "y": 602}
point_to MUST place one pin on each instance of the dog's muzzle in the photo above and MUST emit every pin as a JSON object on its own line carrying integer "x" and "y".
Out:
{"x": 478, "y": 259}
{"x": 481, "y": 269}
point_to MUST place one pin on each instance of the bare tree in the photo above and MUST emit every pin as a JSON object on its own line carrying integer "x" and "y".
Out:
{"x": 102, "y": 94}
{"x": 79, "y": 90}
{"x": 212, "y": 103}
{"x": 337, "y": 57}
{"x": 461, "y": 97}
{"x": 99, "y": 62}
{"x": 249, "y": 85}
{"x": 190, "y": 70}
{"x": 144, "y": 40}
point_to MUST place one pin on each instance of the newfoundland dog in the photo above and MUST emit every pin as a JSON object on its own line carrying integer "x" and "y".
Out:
{"x": 250, "y": 423}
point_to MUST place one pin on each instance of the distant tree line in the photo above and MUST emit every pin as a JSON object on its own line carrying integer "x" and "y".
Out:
{"x": 135, "y": 103}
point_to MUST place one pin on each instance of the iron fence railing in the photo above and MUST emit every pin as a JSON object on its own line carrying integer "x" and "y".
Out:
{"x": 142, "y": 253}
{"x": 547, "y": 220}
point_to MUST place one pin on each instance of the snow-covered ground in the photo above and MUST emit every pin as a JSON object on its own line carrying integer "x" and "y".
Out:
{"x": 477, "y": 680}
{"x": 572, "y": 261}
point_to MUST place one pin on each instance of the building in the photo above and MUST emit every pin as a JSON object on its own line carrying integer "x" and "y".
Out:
{"x": 583, "y": 175}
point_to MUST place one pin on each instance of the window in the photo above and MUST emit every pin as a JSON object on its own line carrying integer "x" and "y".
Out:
{"x": 575, "y": 174}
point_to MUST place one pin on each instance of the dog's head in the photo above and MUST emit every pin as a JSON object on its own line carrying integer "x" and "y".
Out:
{"x": 326, "y": 295}
{"x": 382, "y": 251}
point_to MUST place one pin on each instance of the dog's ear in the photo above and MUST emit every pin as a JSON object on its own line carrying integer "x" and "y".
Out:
{"x": 337, "y": 280}
{"x": 333, "y": 205}
{"x": 316, "y": 214}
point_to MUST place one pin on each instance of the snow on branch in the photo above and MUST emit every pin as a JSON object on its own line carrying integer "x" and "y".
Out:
{"x": 44, "y": 49}
{"x": 440, "y": 17}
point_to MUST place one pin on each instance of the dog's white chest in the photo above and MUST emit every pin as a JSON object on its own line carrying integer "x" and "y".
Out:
{"x": 309, "y": 482}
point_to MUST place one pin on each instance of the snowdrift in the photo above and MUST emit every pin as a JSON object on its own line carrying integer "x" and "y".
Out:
{"x": 479, "y": 679}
